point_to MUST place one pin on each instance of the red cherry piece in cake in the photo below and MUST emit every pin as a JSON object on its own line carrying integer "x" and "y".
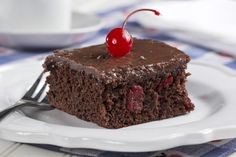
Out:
{"x": 118, "y": 41}
{"x": 135, "y": 99}
{"x": 167, "y": 82}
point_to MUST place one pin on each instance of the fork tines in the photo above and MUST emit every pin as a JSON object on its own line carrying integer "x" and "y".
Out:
{"x": 29, "y": 94}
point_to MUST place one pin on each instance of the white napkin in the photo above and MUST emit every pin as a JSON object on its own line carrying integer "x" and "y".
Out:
{"x": 210, "y": 23}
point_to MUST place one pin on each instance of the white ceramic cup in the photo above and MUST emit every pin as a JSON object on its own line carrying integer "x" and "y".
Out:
{"x": 35, "y": 15}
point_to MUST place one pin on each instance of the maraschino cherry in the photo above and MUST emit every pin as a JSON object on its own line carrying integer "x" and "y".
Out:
{"x": 118, "y": 41}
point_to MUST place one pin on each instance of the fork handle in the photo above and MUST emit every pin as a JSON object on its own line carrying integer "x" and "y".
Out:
{"x": 20, "y": 105}
{"x": 9, "y": 110}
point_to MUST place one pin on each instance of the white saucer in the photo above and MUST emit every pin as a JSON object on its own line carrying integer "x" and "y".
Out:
{"x": 83, "y": 26}
{"x": 211, "y": 88}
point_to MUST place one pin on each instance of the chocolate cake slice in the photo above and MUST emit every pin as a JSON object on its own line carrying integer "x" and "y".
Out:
{"x": 147, "y": 84}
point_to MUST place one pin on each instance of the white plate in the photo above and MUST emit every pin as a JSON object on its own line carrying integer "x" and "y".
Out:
{"x": 83, "y": 26}
{"x": 211, "y": 88}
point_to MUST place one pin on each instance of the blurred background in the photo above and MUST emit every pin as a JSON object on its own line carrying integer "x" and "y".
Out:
{"x": 206, "y": 23}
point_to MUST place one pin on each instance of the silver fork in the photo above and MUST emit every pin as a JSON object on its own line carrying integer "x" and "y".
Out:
{"x": 29, "y": 101}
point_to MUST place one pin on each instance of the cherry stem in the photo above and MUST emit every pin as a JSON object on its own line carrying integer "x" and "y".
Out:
{"x": 126, "y": 19}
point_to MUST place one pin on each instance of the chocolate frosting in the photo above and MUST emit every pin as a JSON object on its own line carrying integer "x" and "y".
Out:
{"x": 144, "y": 52}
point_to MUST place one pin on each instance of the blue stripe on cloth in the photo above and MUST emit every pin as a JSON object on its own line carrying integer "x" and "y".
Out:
{"x": 195, "y": 150}
{"x": 201, "y": 150}
{"x": 14, "y": 57}
{"x": 218, "y": 152}
{"x": 231, "y": 64}
{"x": 92, "y": 152}
{"x": 223, "y": 150}
{"x": 119, "y": 154}
{"x": 48, "y": 147}
{"x": 18, "y": 55}
{"x": 195, "y": 52}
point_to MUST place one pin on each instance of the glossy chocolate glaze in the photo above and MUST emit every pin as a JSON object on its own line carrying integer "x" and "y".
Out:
{"x": 144, "y": 52}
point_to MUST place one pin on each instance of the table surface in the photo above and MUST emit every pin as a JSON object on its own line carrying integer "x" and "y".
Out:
{"x": 11, "y": 149}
